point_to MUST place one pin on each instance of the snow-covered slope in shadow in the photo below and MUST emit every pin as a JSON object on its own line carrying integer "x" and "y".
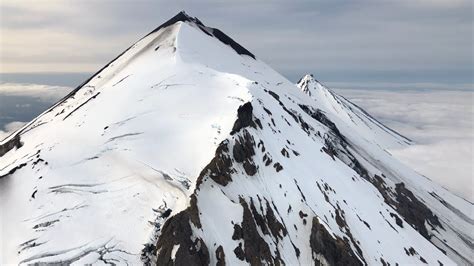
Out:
{"x": 187, "y": 149}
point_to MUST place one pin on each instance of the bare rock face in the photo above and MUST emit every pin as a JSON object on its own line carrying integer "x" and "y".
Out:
{"x": 10, "y": 144}
{"x": 329, "y": 250}
{"x": 177, "y": 232}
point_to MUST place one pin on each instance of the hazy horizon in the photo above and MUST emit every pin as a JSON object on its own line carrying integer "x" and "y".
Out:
{"x": 385, "y": 42}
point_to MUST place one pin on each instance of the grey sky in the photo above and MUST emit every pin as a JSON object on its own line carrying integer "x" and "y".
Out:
{"x": 339, "y": 41}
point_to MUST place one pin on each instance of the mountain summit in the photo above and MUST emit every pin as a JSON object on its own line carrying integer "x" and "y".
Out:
{"x": 186, "y": 149}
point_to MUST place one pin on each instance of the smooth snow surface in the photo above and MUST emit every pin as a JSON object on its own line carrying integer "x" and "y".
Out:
{"x": 100, "y": 172}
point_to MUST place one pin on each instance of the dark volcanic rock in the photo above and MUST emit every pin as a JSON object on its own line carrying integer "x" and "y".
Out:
{"x": 9, "y": 145}
{"x": 182, "y": 16}
{"x": 243, "y": 151}
{"x": 244, "y": 118}
{"x": 335, "y": 251}
{"x": 319, "y": 116}
{"x": 220, "y": 256}
{"x": 220, "y": 168}
{"x": 12, "y": 171}
{"x": 255, "y": 249}
{"x": 177, "y": 231}
{"x": 414, "y": 211}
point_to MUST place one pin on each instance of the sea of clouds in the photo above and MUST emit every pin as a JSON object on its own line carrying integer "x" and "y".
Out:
{"x": 19, "y": 103}
{"x": 439, "y": 121}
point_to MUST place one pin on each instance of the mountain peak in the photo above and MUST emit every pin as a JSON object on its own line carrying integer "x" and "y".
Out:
{"x": 213, "y": 32}
{"x": 271, "y": 177}
{"x": 308, "y": 84}
{"x": 180, "y": 17}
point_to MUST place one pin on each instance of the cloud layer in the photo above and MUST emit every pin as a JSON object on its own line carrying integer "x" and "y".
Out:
{"x": 44, "y": 93}
{"x": 10, "y": 128}
{"x": 440, "y": 122}
{"x": 19, "y": 103}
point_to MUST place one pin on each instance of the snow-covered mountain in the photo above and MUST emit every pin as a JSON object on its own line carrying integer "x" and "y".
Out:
{"x": 186, "y": 149}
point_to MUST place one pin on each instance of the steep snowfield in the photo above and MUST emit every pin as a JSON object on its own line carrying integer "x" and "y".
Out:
{"x": 454, "y": 213}
{"x": 187, "y": 149}
{"x": 349, "y": 116}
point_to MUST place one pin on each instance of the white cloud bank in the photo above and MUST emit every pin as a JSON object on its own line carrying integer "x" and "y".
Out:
{"x": 45, "y": 93}
{"x": 440, "y": 122}
{"x": 10, "y": 128}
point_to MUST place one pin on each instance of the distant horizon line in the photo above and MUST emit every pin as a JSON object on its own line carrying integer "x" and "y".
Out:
{"x": 73, "y": 79}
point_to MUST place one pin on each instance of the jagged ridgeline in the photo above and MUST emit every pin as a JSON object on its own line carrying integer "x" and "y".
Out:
{"x": 187, "y": 149}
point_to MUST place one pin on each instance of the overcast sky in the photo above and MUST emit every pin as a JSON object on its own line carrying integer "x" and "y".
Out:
{"x": 417, "y": 41}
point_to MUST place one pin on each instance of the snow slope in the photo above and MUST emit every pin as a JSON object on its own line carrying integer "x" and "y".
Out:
{"x": 187, "y": 149}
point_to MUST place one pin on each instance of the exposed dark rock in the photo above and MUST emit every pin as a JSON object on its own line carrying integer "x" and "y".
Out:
{"x": 266, "y": 159}
{"x": 261, "y": 145}
{"x": 255, "y": 250}
{"x": 397, "y": 219}
{"x": 278, "y": 167}
{"x": 45, "y": 224}
{"x": 220, "y": 256}
{"x": 285, "y": 153}
{"x": 243, "y": 151}
{"x": 302, "y": 214}
{"x": 297, "y": 117}
{"x": 274, "y": 95}
{"x": 259, "y": 219}
{"x": 267, "y": 111}
{"x": 297, "y": 250}
{"x": 193, "y": 211}
{"x": 14, "y": 142}
{"x": 166, "y": 213}
{"x": 335, "y": 143}
{"x": 384, "y": 190}
{"x": 299, "y": 189}
{"x": 220, "y": 168}
{"x": 244, "y": 118}
{"x": 330, "y": 149}
{"x": 319, "y": 116}
{"x": 227, "y": 40}
{"x": 239, "y": 252}
{"x": 177, "y": 231}
{"x": 182, "y": 16}
{"x": 366, "y": 224}
{"x": 274, "y": 225}
{"x": 339, "y": 220}
{"x": 237, "y": 232}
{"x": 414, "y": 211}
{"x": 13, "y": 170}
{"x": 408, "y": 206}
{"x": 335, "y": 251}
